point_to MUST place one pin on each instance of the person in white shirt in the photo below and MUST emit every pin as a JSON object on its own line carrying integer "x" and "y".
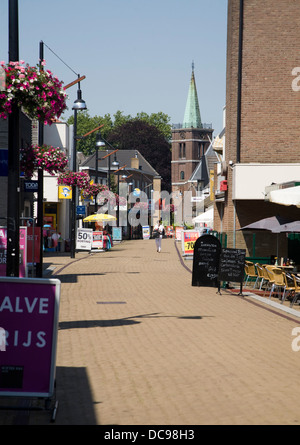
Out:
{"x": 160, "y": 228}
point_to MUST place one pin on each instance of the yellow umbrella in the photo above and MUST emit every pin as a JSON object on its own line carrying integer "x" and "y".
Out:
{"x": 99, "y": 217}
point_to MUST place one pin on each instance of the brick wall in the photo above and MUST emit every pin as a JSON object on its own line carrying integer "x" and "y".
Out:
{"x": 191, "y": 138}
{"x": 270, "y": 109}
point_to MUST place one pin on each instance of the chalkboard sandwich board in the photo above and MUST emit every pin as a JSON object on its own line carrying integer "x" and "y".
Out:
{"x": 207, "y": 250}
{"x": 232, "y": 266}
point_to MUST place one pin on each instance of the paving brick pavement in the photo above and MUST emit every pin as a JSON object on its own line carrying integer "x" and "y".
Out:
{"x": 138, "y": 345}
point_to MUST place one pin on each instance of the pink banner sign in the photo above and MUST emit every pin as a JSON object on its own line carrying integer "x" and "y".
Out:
{"x": 22, "y": 247}
{"x": 29, "y": 316}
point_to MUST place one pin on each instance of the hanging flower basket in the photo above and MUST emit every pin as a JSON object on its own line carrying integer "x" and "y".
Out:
{"x": 93, "y": 190}
{"x": 76, "y": 179}
{"x": 88, "y": 189}
{"x": 46, "y": 157}
{"x": 38, "y": 92}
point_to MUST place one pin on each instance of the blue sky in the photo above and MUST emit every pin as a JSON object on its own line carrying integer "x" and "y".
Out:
{"x": 136, "y": 54}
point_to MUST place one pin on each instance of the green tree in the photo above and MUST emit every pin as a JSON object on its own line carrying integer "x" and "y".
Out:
{"x": 138, "y": 134}
{"x": 86, "y": 123}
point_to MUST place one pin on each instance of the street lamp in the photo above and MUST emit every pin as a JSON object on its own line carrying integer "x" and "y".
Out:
{"x": 78, "y": 105}
{"x": 99, "y": 143}
{"x": 116, "y": 164}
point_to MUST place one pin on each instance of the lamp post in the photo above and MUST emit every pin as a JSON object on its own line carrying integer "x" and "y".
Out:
{"x": 78, "y": 105}
{"x": 116, "y": 164}
{"x": 13, "y": 179}
{"x": 99, "y": 143}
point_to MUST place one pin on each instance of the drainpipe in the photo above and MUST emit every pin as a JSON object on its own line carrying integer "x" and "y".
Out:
{"x": 239, "y": 98}
{"x": 239, "y": 102}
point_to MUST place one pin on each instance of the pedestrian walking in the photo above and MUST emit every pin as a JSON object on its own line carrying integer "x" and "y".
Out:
{"x": 158, "y": 231}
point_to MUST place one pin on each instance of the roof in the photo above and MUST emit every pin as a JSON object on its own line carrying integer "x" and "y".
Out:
{"x": 192, "y": 117}
{"x": 123, "y": 157}
{"x": 206, "y": 164}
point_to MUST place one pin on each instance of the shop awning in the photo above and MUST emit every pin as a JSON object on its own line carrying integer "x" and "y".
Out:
{"x": 287, "y": 197}
{"x": 205, "y": 217}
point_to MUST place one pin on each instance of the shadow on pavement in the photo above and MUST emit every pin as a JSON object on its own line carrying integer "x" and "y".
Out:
{"x": 73, "y": 392}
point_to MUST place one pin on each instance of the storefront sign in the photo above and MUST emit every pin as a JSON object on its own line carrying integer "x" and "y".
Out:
{"x": 80, "y": 210}
{"x": 23, "y": 251}
{"x": 178, "y": 233}
{"x": 117, "y": 233}
{"x": 189, "y": 238}
{"x": 3, "y": 161}
{"x": 146, "y": 232}
{"x": 31, "y": 186}
{"x": 98, "y": 239}
{"x": 84, "y": 239}
{"x": 169, "y": 231}
{"x": 64, "y": 192}
{"x": 33, "y": 242}
{"x": 29, "y": 315}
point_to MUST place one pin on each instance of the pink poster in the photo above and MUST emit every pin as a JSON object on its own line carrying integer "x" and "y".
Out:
{"x": 23, "y": 248}
{"x": 29, "y": 317}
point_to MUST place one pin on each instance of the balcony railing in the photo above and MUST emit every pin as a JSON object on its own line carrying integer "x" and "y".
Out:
{"x": 187, "y": 125}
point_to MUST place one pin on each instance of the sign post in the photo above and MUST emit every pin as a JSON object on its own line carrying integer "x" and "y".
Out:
{"x": 29, "y": 309}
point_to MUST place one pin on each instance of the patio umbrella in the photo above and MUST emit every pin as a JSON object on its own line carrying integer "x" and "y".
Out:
{"x": 275, "y": 224}
{"x": 99, "y": 217}
{"x": 289, "y": 196}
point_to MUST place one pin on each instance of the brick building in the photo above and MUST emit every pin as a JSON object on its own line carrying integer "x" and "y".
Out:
{"x": 192, "y": 156}
{"x": 262, "y": 117}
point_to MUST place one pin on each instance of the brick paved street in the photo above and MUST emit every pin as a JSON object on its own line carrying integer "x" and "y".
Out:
{"x": 137, "y": 344}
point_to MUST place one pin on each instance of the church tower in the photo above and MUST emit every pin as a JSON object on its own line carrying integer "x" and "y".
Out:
{"x": 190, "y": 141}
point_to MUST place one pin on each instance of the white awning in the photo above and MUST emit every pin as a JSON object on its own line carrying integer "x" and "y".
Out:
{"x": 287, "y": 197}
{"x": 205, "y": 217}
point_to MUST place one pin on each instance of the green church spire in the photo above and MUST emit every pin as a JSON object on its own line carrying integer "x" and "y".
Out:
{"x": 192, "y": 117}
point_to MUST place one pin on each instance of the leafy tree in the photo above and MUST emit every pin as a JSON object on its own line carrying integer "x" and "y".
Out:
{"x": 86, "y": 123}
{"x": 159, "y": 120}
{"x": 137, "y": 134}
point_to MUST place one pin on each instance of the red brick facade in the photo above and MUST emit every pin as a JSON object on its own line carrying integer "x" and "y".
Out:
{"x": 270, "y": 108}
{"x": 188, "y": 147}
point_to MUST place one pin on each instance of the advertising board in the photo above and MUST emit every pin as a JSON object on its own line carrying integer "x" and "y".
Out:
{"x": 23, "y": 251}
{"x": 84, "y": 239}
{"x": 29, "y": 316}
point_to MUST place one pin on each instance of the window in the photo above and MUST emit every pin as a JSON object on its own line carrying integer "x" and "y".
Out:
{"x": 200, "y": 149}
{"x": 183, "y": 150}
{"x": 182, "y": 175}
{"x": 180, "y": 150}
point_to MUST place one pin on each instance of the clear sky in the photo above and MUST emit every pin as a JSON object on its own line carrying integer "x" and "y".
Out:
{"x": 136, "y": 54}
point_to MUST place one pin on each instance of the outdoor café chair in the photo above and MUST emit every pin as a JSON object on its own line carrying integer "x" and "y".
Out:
{"x": 278, "y": 281}
{"x": 250, "y": 271}
{"x": 261, "y": 275}
{"x": 297, "y": 289}
{"x": 290, "y": 286}
{"x": 269, "y": 270}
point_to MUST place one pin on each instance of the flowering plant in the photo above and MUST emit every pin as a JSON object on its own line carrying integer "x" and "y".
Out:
{"x": 83, "y": 182}
{"x": 46, "y": 157}
{"x": 76, "y": 179}
{"x": 141, "y": 205}
{"x": 38, "y": 92}
{"x": 93, "y": 190}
